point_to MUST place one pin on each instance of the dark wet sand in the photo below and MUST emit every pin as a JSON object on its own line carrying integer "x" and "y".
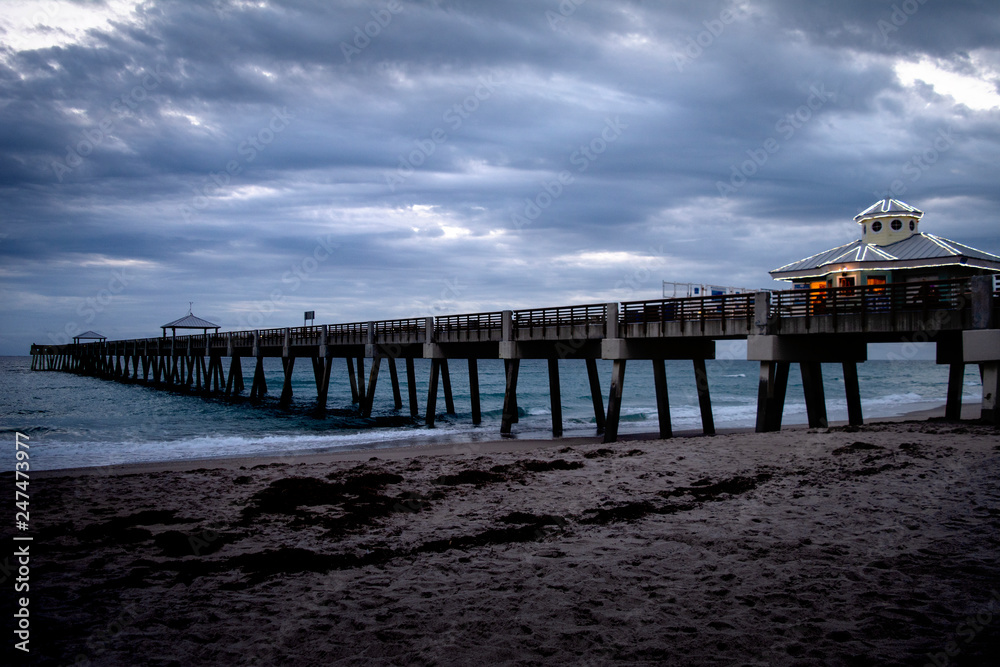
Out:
{"x": 834, "y": 547}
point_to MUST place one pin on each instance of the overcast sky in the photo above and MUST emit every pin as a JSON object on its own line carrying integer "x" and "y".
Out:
{"x": 374, "y": 160}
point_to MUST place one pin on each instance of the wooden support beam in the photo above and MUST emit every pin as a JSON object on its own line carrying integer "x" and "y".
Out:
{"x": 354, "y": 382}
{"x": 411, "y": 388}
{"x": 595, "y": 394}
{"x": 449, "y": 399}
{"x": 771, "y": 395}
{"x": 555, "y": 398}
{"x": 366, "y": 409}
{"x": 317, "y": 366}
{"x": 990, "y": 411}
{"x": 514, "y": 412}
{"x": 812, "y": 385}
{"x": 361, "y": 380}
{"x": 956, "y": 381}
{"x": 477, "y": 412}
{"x": 288, "y": 365}
{"x": 217, "y": 373}
{"x": 855, "y": 416}
{"x": 432, "y": 391}
{"x": 238, "y": 386}
{"x": 615, "y": 401}
{"x": 397, "y": 398}
{"x": 231, "y": 382}
{"x": 321, "y": 374}
{"x": 662, "y": 398}
{"x": 222, "y": 374}
{"x": 704, "y": 397}
{"x": 259, "y": 387}
{"x": 323, "y": 393}
{"x": 510, "y": 396}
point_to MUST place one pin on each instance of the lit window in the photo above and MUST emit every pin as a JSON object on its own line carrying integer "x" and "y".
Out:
{"x": 876, "y": 226}
{"x": 896, "y": 225}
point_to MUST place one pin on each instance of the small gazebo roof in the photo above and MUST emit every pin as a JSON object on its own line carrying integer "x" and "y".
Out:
{"x": 90, "y": 335}
{"x": 189, "y": 321}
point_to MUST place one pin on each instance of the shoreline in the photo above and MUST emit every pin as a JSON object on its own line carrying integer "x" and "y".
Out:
{"x": 395, "y": 450}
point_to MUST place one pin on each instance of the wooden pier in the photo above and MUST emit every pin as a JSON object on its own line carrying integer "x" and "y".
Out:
{"x": 806, "y": 327}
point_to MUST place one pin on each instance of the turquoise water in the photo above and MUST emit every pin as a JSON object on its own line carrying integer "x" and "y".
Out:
{"x": 82, "y": 421}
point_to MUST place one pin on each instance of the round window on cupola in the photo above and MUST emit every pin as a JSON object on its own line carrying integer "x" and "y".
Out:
{"x": 877, "y": 226}
{"x": 913, "y": 225}
{"x": 896, "y": 225}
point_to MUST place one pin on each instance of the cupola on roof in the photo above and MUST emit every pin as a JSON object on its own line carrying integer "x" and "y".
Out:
{"x": 888, "y": 208}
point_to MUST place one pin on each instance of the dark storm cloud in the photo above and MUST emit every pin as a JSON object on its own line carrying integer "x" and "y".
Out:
{"x": 406, "y": 158}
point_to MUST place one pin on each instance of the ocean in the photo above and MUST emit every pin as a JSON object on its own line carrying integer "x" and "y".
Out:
{"x": 76, "y": 421}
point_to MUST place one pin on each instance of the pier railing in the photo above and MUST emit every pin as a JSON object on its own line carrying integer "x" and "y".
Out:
{"x": 352, "y": 333}
{"x": 471, "y": 327}
{"x": 582, "y": 321}
{"x": 870, "y": 302}
{"x": 732, "y": 313}
{"x": 408, "y": 331}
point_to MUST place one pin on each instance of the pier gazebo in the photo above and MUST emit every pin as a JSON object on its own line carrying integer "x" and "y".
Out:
{"x": 892, "y": 249}
{"x": 189, "y": 321}
{"x": 89, "y": 335}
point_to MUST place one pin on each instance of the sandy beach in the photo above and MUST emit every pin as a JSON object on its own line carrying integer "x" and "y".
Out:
{"x": 836, "y": 546}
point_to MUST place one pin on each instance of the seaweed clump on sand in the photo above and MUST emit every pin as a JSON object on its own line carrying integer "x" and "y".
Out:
{"x": 342, "y": 506}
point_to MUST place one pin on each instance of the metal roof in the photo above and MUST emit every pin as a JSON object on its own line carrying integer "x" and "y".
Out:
{"x": 888, "y": 208}
{"x": 90, "y": 335}
{"x": 190, "y": 321}
{"x": 917, "y": 247}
